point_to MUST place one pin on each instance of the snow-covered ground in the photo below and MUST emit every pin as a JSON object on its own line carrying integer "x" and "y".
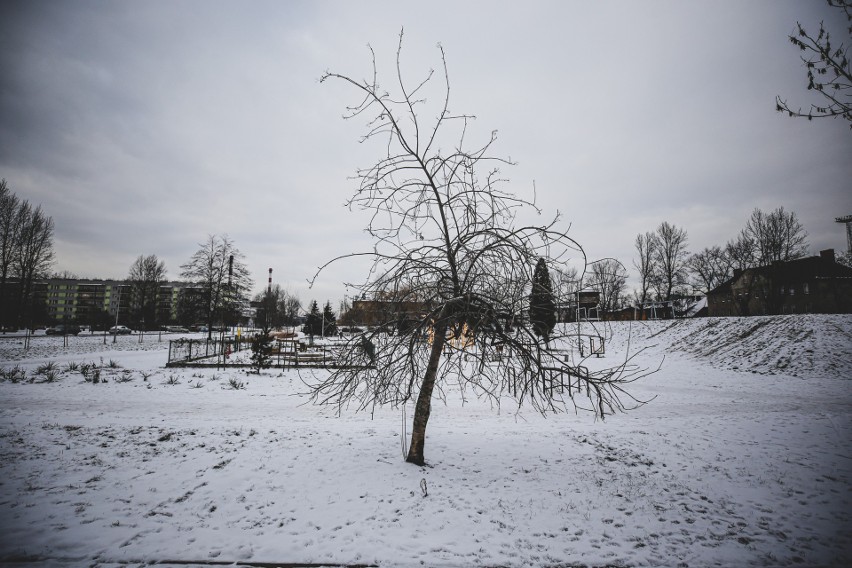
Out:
{"x": 743, "y": 458}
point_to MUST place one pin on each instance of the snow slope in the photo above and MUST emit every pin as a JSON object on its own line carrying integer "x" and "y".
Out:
{"x": 742, "y": 458}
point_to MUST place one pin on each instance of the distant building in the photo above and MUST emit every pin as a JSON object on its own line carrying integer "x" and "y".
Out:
{"x": 383, "y": 312}
{"x": 816, "y": 284}
{"x": 98, "y": 303}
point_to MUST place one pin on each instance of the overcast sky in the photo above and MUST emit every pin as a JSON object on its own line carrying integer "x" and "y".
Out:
{"x": 143, "y": 127}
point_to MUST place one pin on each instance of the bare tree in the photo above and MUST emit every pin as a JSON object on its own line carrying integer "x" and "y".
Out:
{"x": 219, "y": 270}
{"x": 741, "y": 252}
{"x": 828, "y": 70}
{"x": 646, "y": 249}
{"x": 609, "y": 277}
{"x": 34, "y": 255}
{"x": 670, "y": 257}
{"x": 448, "y": 240}
{"x": 775, "y": 236}
{"x": 9, "y": 239}
{"x": 277, "y": 307}
{"x": 290, "y": 308}
{"x": 709, "y": 268}
{"x": 145, "y": 276}
{"x": 566, "y": 284}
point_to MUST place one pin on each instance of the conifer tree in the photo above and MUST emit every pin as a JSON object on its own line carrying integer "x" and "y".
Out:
{"x": 313, "y": 323}
{"x": 542, "y": 306}
{"x": 329, "y": 321}
{"x": 261, "y": 351}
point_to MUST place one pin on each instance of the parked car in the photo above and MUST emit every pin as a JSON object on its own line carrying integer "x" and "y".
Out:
{"x": 63, "y": 329}
{"x": 175, "y": 329}
{"x": 120, "y": 330}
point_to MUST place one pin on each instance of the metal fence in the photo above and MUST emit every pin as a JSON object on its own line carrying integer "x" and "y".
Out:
{"x": 186, "y": 351}
{"x": 223, "y": 352}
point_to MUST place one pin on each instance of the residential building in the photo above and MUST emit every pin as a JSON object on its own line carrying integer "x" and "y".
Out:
{"x": 102, "y": 303}
{"x": 816, "y": 284}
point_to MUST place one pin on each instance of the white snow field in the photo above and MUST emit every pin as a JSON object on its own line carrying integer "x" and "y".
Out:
{"x": 744, "y": 458}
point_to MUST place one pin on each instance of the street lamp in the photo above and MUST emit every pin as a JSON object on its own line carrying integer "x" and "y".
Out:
{"x": 117, "y": 309}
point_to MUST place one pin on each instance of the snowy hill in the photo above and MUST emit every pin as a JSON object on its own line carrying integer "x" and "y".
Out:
{"x": 812, "y": 345}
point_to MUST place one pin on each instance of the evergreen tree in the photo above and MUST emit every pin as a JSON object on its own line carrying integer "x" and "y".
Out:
{"x": 261, "y": 351}
{"x": 329, "y": 321}
{"x": 542, "y": 305}
{"x": 313, "y": 323}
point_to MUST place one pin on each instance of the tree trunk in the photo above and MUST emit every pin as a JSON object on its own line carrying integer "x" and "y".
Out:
{"x": 424, "y": 399}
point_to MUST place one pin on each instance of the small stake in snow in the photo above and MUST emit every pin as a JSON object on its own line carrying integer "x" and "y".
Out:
{"x": 423, "y": 487}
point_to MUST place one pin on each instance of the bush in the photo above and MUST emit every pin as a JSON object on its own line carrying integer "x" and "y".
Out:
{"x": 261, "y": 352}
{"x": 46, "y": 368}
{"x": 16, "y": 374}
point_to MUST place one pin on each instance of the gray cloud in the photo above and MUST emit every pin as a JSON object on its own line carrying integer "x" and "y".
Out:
{"x": 143, "y": 127}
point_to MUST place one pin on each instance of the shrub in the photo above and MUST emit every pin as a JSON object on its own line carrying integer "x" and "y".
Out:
{"x": 46, "y": 368}
{"x": 124, "y": 377}
{"x": 86, "y": 369}
{"x": 16, "y": 374}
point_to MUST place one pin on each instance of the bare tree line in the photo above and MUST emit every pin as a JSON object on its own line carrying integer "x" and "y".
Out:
{"x": 666, "y": 269}
{"x": 217, "y": 270}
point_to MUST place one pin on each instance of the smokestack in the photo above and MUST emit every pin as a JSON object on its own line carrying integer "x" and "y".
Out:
{"x": 270, "y": 280}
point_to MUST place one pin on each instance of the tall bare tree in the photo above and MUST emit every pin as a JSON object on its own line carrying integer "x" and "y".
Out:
{"x": 146, "y": 275}
{"x": 34, "y": 255}
{"x": 670, "y": 256}
{"x": 646, "y": 249}
{"x": 276, "y": 307}
{"x": 741, "y": 252}
{"x": 9, "y": 239}
{"x": 566, "y": 283}
{"x": 828, "y": 70}
{"x": 777, "y": 235}
{"x": 709, "y": 268}
{"x": 218, "y": 268}
{"x": 609, "y": 277}
{"x": 290, "y": 308}
{"x": 447, "y": 240}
